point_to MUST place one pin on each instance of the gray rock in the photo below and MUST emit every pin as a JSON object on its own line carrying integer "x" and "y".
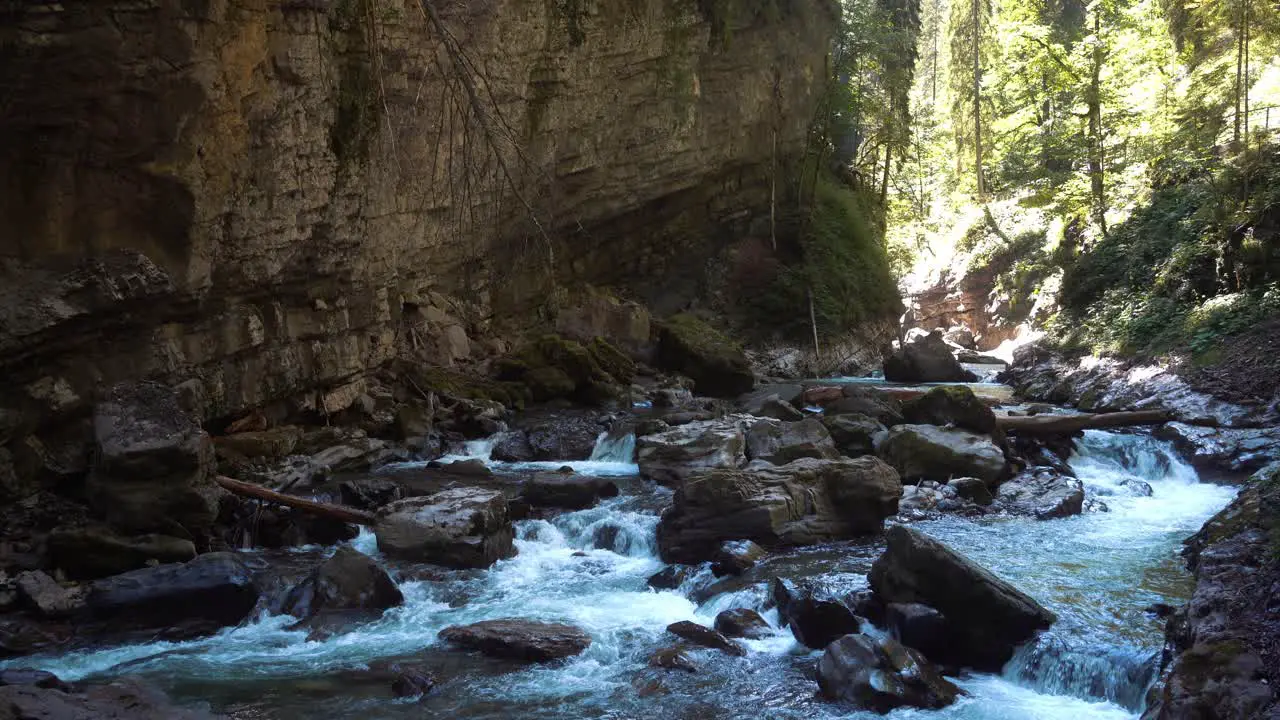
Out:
{"x": 926, "y": 359}
{"x": 182, "y": 599}
{"x": 778, "y": 409}
{"x": 780, "y": 442}
{"x": 519, "y": 639}
{"x": 370, "y": 493}
{"x": 742, "y": 623}
{"x": 45, "y": 595}
{"x": 988, "y": 616}
{"x": 857, "y": 400}
{"x": 853, "y": 433}
{"x": 921, "y": 627}
{"x": 128, "y": 697}
{"x": 706, "y": 637}
{"x": 563, "y": 438}
{"x": 736, "y": 557}
{"x": 91, "y": 553}
{"x": 672, "y": 658}
{"x": 349, "y": 580}
{"x": 1042, "y": 493}
{"x": 954, "y": 405}
{"x": 934, "y": 453}
{"x": 670, "y": 457}
{"x": 816, "y": 619}
{"x": 972, "y": 489}
{"x": 513, "y": 446}
{"x": 881, "y": 676}
{"x": 1233, "y": 449}
{"x": 458, "y": 528}
{"x": 566, "y": 490}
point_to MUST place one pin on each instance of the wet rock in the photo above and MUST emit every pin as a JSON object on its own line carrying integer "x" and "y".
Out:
{"x": 742, "y": 623}
{"x": 853, "y": 433}
{"x": 972, "y": 489}
{"x": 934, "y": 453}
{"x": 672, "y": 658}
{"x": 691, "y": 347}
{"x": 1233, "y": 449}
{"x": 1042, "y": 493}
{"x": 474, "y": 467}
{"x": 370, "y": 493}
{"x": 512, "y": 446}
{"x": 563, "y": 438}
{"x": 412, "y": 682}
{"x": 881, "y": 676}
{"x": 45, "y": 595}
{"x": 736, "y": 557}
{"x": 519, "y": 639}
{"x": 123, "y": 698}
{"x": 706, "y": 637}
{"x": 815, "y": 618}
{"x": 153, "y": 465}
{"x": 273, "y": 443}
{"x": 920, "y": 627}
{"x": 778, "y": 409}
{"x": 34, "y": 678}
{"x": 91, "y": 553}
{"x": 457, "y": 528}
{"x": 988, "y": 616}
{"x": 955, "y": 406}
{"x": 670, "y": 577}
{"x": 864, "y": 603}
{"x": 1095, "y": 505}
{"x": 349, "y": 580}
{"x": 1136, "y": 487}
{"x": 181, "y": 599}
{"x": 670, "y": 457}
{"x": 566, "y": 490}
{"x": 926, "y": 359}
{"x": 801, "y": 503}
{"x": 927, "y": 498}
{"x": 877, "y": 405}
{"x": 781, "y": 442}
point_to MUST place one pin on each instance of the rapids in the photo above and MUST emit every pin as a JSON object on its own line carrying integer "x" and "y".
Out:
{"x": 1098, "y": 571}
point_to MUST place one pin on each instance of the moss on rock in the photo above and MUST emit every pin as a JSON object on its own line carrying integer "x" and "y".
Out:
{"x": 554, "y": 367}
{"x": 717, "y": 365}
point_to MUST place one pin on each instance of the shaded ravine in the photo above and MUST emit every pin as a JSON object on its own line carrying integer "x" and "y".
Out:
{"x": 1098, "y": 571}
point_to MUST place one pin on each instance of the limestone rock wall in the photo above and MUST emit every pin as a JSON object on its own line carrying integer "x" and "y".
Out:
{"x": 252, "y": 199}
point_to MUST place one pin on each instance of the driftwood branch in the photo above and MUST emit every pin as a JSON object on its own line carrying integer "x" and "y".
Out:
{"x": 1068, "y": 424}
{"x": 335, "y": 512}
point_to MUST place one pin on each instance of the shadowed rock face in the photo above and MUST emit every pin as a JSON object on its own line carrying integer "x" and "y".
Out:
{"x": 987, "y": 616}
{"x": 881, "y": 675}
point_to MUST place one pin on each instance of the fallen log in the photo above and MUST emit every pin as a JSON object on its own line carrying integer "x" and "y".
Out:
{"x": 1069, "y": 424}
{"x": 336, "y": 512}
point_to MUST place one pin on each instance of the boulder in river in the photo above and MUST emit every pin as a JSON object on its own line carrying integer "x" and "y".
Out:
{"x": 568, "y": 437}
{"x": 920, "y": 627}
{"x": 987, "y": 616}
{"x": 742, "y": 623}
{"x": 670, "y": 457}
{"x": 815, "y": 618}
{"x": 691, "y": 347}
{"x": 181, "y": 599}
{"x": 926, "y": 359}
{"x": 853, "y": 433}
{"x": 566, "y": 490}
{"x": 736, "y": 557}
{"x": 881, "y": 675}
{"x": 672, "y": 658}
{"x": 875, "y": 404}
{"x": 972, "y": 489}
{"x": 1042, "y": 493}
{"x": 370, "y": 493}
{"x": 127, "y": 697}
{"x": 519, "y": 639}
{"x": 934, "y": 453}
{"x": 954, "y": 405}
{"x": 463, "y": 527}
{"x": 512, "y": 446}
{"x": 781, "y": 442}
{"x": 800, "y": 503}
{"x": 349, "y": 580}
{"x": 706, "y": 637}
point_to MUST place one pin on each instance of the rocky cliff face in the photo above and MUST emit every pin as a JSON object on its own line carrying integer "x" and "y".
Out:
{"x": 257, "y": 199}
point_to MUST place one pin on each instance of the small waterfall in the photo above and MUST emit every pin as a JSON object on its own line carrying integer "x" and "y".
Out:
{"x": 615, "y": 447}
{"x": 1119, "y": 675}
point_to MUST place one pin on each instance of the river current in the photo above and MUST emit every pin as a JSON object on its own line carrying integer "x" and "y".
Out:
{"x": 1099, "y": 572}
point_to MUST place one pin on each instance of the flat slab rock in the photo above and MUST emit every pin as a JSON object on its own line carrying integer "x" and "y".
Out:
{"x": 517, "y": 639}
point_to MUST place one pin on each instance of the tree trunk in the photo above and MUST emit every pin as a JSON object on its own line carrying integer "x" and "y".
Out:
{"x": 977, "y": 98}
{"x": 335, "y": 512}
{"x": 1094, "y": 101}
{"x": 1239, "y": 87}
{"x": 1068, "y": 424}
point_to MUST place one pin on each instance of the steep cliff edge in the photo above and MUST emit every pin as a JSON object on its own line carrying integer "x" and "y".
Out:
{"x": 254, "y": 199}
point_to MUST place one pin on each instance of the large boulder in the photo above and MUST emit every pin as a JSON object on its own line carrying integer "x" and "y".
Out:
{"x": 89, "y": 553}
{"x": 519, "y": 639}
{"x": 555, "y": 367}
{"x": 816, "y": 619}
{"x": 349, "y": 580}
{"x": 854, "y": 434}
{"x": 1042, "y": 493}
{"x": 929, "y": 452}
{"x": 459, "y": 528}
{"x": 716, "y": 364}
{"x": 671, "y": 456}
{"x": 881, "y": 675}
{"x": 859, "y": 400}
{"x": 706, "y": 637}
{"x": 154, "y": 463}
{"x": 742, "y": 623}
{"x": 801, "y": 503}
{"x": 121, "y": 698}
{"x": 1232, "y": 449}
{"x": 512, "y": 446}
{"x": 180, "y": 599}
{"x": 951, "y": 405}
{"x": 987, "y": 616}
{"x": 926, "y": 359}
{"x": 781, "y": 442}
{"x": 566, "y": 490}
{"x": 571, "y": 437}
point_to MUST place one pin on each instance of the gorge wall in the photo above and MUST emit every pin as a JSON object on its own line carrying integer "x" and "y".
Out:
{"x": 251, "y": 198}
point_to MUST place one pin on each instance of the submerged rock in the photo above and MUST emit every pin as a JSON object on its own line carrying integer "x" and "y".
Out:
{"x": 566, "y": 490}
{"x": 987, "y": 616}
{"x": 519, "y": 639}
{"x": 926, "y": 359}
{"x": 672, "y": 456}
{"x": 934, "y": 453}
{"x": 801, "y": 503}
{"x": 881, "y": 676}
{"x": 672, "y": 658}
{"x": 706, "y": 637}
{"x": 349, "y": 580}
{"x": 182, "y": 600}
{"x": 742, "y": 623}
{"x": 1042, "y": 493}
{"x": 457, "y": 528}
{"x": 670, "y": 577}
{"x": 816, "y": 620}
